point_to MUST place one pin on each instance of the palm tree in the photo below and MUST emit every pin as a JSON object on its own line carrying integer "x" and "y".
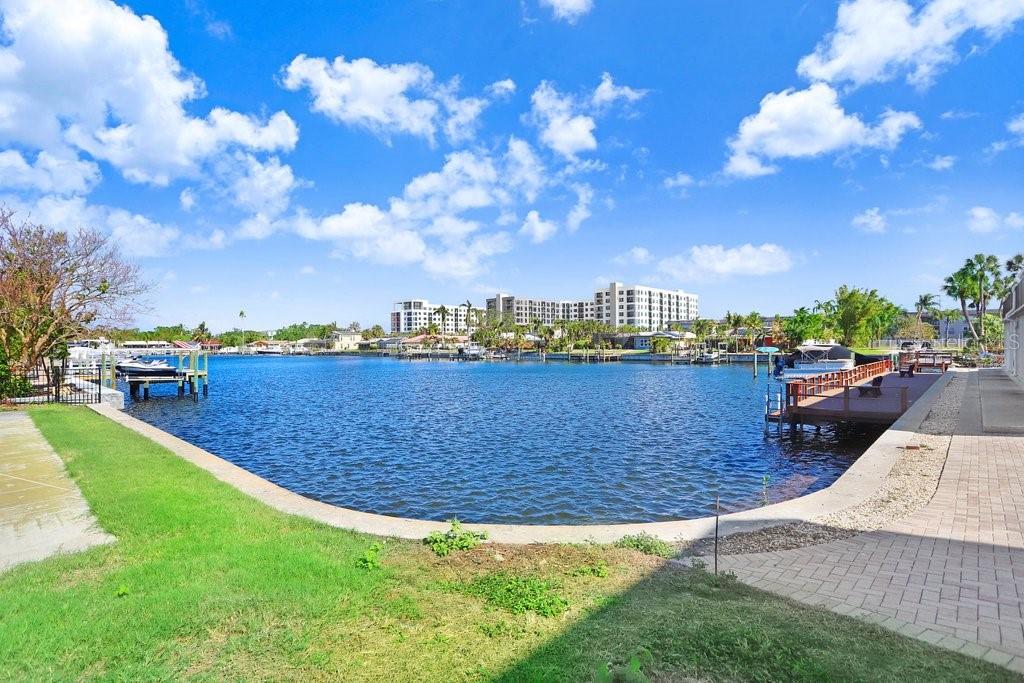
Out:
{"x": 926, "y": 303}
{"x": 985, "y": 269}
{"x": 754, "y": 326}
{"x": 733, "y": 321}
{"x": 702, "y": 328}
{"x": 201, "y": 333}
{"x": 443, "y": 313}
{"x": 241, "y": 322}
{"x": 961, "y": 286}
{"x": 1015, "y": 264}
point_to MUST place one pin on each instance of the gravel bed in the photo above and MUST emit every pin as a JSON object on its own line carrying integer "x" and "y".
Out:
{"x": 909, "y": 486}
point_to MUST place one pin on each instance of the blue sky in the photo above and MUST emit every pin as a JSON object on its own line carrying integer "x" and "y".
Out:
{"x": 322, "y": 163}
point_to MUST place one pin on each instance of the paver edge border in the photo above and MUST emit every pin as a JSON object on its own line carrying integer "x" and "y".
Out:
{"x": 853, "y": 487}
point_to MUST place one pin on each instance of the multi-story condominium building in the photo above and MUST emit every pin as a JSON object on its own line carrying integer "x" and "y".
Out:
{"x": 415, "y": 314}
{"x": 648, "y": 308}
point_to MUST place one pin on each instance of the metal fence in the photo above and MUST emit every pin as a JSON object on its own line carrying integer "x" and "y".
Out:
{"x": 54, "y": 381}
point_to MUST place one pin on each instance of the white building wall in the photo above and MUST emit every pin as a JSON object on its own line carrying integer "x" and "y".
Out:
{"x": 415, "y": 314}
{"x": 1013, "y": 329}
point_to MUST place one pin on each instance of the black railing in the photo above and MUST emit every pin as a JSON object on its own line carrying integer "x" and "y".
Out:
{"x": 55, "y": 381}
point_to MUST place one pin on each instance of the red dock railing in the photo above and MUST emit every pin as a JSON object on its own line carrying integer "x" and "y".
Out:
{"x": 818, "y": 385}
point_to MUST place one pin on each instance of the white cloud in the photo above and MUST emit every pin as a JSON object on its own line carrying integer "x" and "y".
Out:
{"x": 524, "y": 171}
{"x": 1016, "y": 125}
{"x": 307, "y": 270}
{"x": 872, "y": 221}
{"x": 261, "y": 188}
{"x": 633, "y": 256}
{"x": 135, "y": 235}
{"x": 387, "y": 99}
{"x": 187, "y": 199}
{"x": 569, "y": 10}
{"x": 581, "y": 210}
{"x": 427, "y": 224}
{"x": 712, "y": 261}
{"x": 562, "y": 129}
{"x": 607, "y": 92}
{"x": 48, "y": 174}
{"x": 567, "y": 123}
{"x": 678, "y": 183}
{"x": 941, "y": 162}
{"x": 501, "y": 89}
{"x": 114, "y": 90}
{"x": 985, "y": 220}
{"x": 807, "y": 123}
{"x": 878, "y": 40}
{"x": 537, "y": 229}
{"x": 957, "y": 115}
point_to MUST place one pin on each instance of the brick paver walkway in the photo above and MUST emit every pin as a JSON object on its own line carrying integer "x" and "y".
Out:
{"x": 42, "y": 512}
{"x": 951, "y": 574}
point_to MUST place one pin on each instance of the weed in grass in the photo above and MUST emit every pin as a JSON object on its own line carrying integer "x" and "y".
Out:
{"x": 518, "y": 594}
{"x": 370, "y": 559}
{"x": 598, "y": 569}
{"x": 122, "y": 591}
{"x": 455, "y": 538}
{"x": 501, "y": 629}
{"x": 646, "y": 544}
{"x": 630, "y": 672}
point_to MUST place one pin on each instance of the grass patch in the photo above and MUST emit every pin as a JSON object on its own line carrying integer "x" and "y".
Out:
{"x": 518, "y": 594}
{"x": 203, "y": 582}
{"x": 646, "y": 544}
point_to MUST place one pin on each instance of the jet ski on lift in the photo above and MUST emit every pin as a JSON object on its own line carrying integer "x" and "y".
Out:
{"x": 145, "y": 368}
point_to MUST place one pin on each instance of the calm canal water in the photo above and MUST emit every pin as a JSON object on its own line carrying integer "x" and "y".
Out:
{"x": 525, "y": 443}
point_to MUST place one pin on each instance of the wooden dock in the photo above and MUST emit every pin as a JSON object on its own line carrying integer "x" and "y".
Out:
{"x": 872, "y": 393}
{"x": 192, "y": 375}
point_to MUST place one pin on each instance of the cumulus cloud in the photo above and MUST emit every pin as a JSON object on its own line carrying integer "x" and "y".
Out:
{"x": 878, "y": 40}
{"x": 115, "y": 91}
{"x": 985, "y": 220}
{"x": 941, "y": 162}
{"x": 808, "y": 123}
{"x": 634, "y": 256}
{"x": 568, "y": 11}
{"x": 388, "y": 99}
{"x": 608, "y": 93}
{"x": 715, "y": 261}
{"x": 537, "y": 229}
{"x": 872, "y": 221}
{"x": 678, "y": 183}
{"x": 581, "y": 210}
{"x": 47, "y": 174}
{"x": 134, "y": 234}
{"x": 435, "y": 221}
{"x": 567, "y": 123}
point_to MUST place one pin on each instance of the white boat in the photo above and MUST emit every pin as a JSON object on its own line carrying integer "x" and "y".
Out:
{"x": 817, "y": 359}
{"x": 146, "y": 368}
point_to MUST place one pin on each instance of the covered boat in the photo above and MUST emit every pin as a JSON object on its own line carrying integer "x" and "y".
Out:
{"x": 815, "y": 359}
{"x": 145, "y": 368}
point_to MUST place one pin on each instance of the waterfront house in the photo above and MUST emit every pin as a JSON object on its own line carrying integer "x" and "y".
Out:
{"x": 344, "y": 340}
{"x": 1012, "y": 311}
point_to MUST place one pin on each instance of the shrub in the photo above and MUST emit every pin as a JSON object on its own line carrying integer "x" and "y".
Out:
{"x": 598, "y": 569}
{"x": 518, "y": 594}
{"x": 370, "y": 559}
{"x": 13, "y": 386}
{"x": 646, "y": 544}
{"x": 455, "y": 538}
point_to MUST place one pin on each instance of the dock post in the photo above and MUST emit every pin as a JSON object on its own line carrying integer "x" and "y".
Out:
{"x": 755, "y": 363}
{"x": 145, "y": 391}
{"x": 846, "y": 399}
{"x": 206, "y": 388}
{"x": 181, "y": 388}
{"x": 904, "y": 403}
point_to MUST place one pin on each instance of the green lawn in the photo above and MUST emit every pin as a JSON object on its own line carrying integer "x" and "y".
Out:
{"x": 207, "y": 583}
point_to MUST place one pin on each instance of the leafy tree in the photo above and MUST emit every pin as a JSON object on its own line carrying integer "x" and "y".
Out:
{"x": 962, "y": 286}
{"x": 54, "y": 285}
{"x": 754, "y": 326}
{"x": 910, "y": 327}
{"x": 375, "y": 332}
{"x": 201, "y": 333}
{"x": 660, "y": 344}
{"x": 702, "y": 328}
{"x": 1015, "y": 264}
{"x": 804, "y": 325}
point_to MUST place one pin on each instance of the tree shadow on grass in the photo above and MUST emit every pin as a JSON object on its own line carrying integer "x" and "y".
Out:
{"x": 680, "y": 623}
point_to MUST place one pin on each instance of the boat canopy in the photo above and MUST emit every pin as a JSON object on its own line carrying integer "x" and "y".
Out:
{"x": 816, "y": 352}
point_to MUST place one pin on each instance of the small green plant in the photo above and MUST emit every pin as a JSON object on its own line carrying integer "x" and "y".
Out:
{"x": 518, "y": 594}
{"x": 646, "y": 544}
{"x": 122, "y": 591}
{"x": 630, "y": 672}
{"x": 455, "y": 538}
{"x": 370, "y": 559}
{"x": 598, "y": 569}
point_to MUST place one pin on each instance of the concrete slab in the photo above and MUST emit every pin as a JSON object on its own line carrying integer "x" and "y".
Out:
{"x": 42, "y": 512}
{"x": 1002, "y": 403}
